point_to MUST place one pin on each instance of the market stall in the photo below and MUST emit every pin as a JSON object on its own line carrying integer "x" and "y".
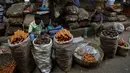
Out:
{"x": 39, "y": 34}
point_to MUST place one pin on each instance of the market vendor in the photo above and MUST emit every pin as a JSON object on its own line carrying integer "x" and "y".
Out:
{"x": 36, "y": 26}
{"x": 97, "y": 15}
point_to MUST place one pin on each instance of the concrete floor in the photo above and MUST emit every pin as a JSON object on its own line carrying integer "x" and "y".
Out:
{"x": 116, "y": 65}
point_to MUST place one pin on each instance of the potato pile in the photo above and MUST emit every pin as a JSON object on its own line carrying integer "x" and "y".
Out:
{"x": 110, "y": 32}
{"x": 19, "y": 36}
{"x": 42, "y": 39}
{"x": 63, "y": 35}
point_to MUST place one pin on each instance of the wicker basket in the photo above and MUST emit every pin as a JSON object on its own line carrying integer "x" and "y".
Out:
{"x": 122, "y": 50}
{"x": 92, "y": 64}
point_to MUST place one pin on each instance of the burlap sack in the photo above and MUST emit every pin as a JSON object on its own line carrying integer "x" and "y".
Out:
{"x": 73, "y": 25}
{"x": 109, "y": 45}
{"x": 27, "y": 20}
{"x": 111, "y": 19}
{"x": 71, "y": 18}
{"x": 72, "y": 10}
{"x": 64, "y": 54}
{"x": 15, "y": 21}
{"x": 16, "y": 10}
{"x": 121, "y": 17}
{"x": 23, "y": 57}
{"x": 11, "y": 30}
{"x": 83, "y": 14}
{"x": 42, "y": 56}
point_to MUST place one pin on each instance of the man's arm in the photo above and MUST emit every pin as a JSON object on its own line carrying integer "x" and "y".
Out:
{"x": 30, "y": 29}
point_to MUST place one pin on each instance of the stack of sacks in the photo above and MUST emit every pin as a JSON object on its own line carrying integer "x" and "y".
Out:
{"x": 115, "y": 13}
{"x": 111, "y": 16}
{"x": 75, "y": 15}
{"x": 15, "y": 18}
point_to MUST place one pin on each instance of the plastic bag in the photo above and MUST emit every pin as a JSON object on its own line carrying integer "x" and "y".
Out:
{"x": 119, "y": 27}
{"x": 64, "y": 54}
{"x": 110, "y": 3}
{"x": 42, "y": 54}
{"x": 16, "y": 10}
{"x": 23, "y": 57}
{"x": 90, "y": 50}
{"x": 52, "y": 30}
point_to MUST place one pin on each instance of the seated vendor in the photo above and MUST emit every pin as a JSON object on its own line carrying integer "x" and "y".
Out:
{"x": 36, "y": 26}
{"x": 97, "y": 15}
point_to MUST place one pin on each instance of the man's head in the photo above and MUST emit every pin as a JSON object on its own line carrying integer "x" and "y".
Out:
{"x": 37, "y": 19}
{"x": 99, "y": 9}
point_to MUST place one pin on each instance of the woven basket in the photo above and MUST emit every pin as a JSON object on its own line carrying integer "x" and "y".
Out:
{"x": 122, "y": 50}
{"x": 92, "y": 64}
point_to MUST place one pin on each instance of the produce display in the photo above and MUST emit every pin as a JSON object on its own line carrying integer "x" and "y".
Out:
{"x": 19, "y": 36}
{"x": 87, "y": 53}
{"x": 63, "y": 35}
{"x": 8, "y": 68}
{"x": 110, "y": 32}
{"x": 89, "y": 57}
{"x": 123, "y": 48}
{"x": 121, "y": 42}
{"x": 42, "y": 39}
